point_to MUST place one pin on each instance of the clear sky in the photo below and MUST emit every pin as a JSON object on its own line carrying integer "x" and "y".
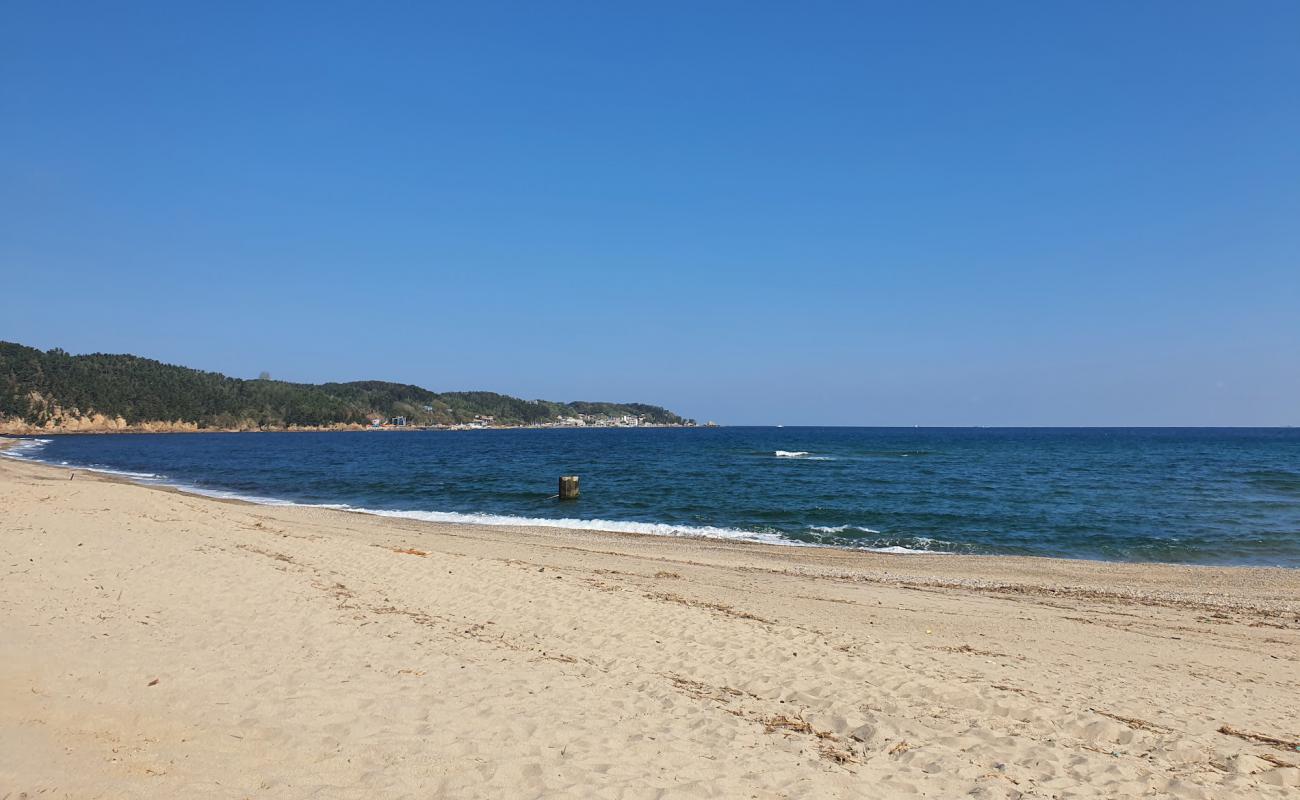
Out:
{"x": 996, "y": 213}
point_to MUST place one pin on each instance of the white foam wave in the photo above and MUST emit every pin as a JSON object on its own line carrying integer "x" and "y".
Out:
{"x": 802, "y": 455}
{"x": 841, "y": 528}
{"x": 924, "y": 543}
{"x": 141, "y": 476}
{"x": 23, "y": 448}
{"x": 458, "y": 518}
{"x": 608, "y": 525}
{"x": 27, "y": 448}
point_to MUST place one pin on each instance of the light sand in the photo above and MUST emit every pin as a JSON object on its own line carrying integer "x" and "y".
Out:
{"x": 157, "y": 644}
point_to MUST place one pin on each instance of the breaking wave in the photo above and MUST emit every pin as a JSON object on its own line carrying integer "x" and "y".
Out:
{"x": 841, "y": 528}
{"x": 24, "y": 448}
{"x": 802, "y": 454}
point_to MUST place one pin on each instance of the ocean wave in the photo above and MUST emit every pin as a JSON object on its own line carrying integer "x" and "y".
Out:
{"x": 801, "y": 454}
{"x": 151, "y": 477}
{"x": 918, "y": 545}
{"x": 895, "y": 453}
{"x": 27, "y": 449}
{"x": 841, "y": 528}
{"x": 1277, "y": 481}
{"x": 143, "y": 477}
{"x": 24, "y": 448}
{"x": 858, "y": 540}
{"x": 922, "y": 544}
{"x": 463, "y": 518}
{"x": 572, "y": 523}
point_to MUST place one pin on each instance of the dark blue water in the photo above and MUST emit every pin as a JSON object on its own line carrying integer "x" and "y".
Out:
{"x": 1209, "y": 496}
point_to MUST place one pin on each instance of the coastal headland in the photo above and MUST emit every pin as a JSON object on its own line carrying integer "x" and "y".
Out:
{"x": 160, "y": 644}
{"x": 53, "y": 391}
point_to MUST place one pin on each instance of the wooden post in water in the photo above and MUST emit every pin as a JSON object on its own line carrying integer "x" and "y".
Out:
{"x": 569, "y": 487}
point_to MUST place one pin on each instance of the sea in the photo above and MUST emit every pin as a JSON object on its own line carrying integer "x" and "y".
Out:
{"x": 1192, "y": 496}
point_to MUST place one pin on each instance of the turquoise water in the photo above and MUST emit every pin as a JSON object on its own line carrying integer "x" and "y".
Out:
{"x": 1204, "y": 496}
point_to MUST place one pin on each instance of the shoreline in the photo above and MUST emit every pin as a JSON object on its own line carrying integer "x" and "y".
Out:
{"x": 679, "y": 532}
{"x": 973, "y": 572}
{"x": 163, "y": 644}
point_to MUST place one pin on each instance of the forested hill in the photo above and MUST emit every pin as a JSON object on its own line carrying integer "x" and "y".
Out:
{"x": 54, "y": 389}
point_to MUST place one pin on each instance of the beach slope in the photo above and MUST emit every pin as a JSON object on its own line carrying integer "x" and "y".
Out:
{"x": 158, "y": 644}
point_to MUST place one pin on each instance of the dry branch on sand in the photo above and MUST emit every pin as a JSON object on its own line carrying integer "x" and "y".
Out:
{"x": 1133, "y": 722}
{"x": 1289, "y": 745}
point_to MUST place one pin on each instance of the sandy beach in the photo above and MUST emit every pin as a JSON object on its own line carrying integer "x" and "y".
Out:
{"x": 158, "y": 644}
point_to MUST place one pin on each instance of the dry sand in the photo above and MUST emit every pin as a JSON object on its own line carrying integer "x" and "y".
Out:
{"x": 157, "y": 644}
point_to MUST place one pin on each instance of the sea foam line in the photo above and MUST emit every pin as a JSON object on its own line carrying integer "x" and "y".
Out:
{"x": 617, "y": 526}
{"x": 25, "y": 450}
{"x": 573, "y": 523}
{"x": 22, "y": 448}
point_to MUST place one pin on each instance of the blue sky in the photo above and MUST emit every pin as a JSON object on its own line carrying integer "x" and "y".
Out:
{"x": 846, "y": 213}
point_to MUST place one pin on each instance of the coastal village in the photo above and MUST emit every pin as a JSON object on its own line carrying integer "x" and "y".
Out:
{"x": 484, "y": 421}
